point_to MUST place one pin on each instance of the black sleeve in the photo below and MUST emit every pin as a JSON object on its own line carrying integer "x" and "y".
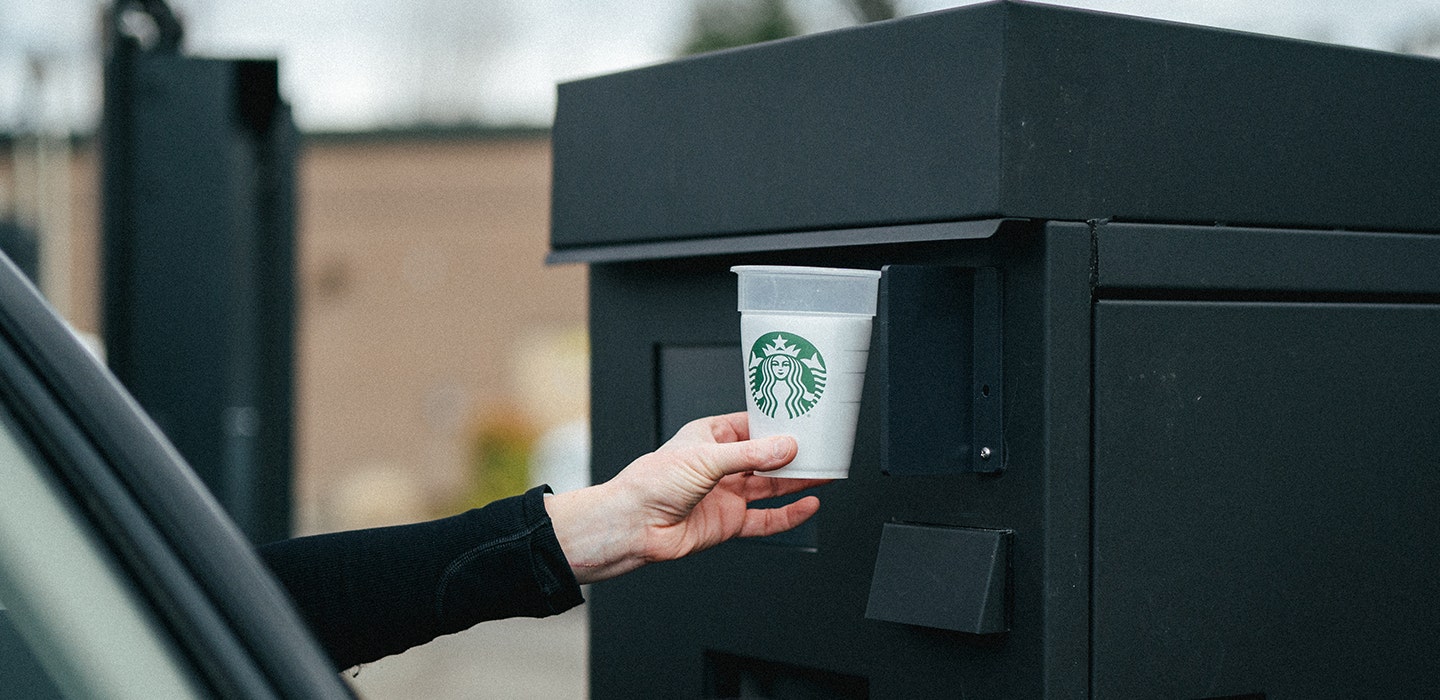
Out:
{"x": 367, "y": 594}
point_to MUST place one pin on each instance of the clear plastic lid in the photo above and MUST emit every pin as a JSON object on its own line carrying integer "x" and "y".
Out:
{"x": 807, "y": 290}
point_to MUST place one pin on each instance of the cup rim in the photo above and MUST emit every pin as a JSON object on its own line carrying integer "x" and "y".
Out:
{"x": 801, "y": 270}
{"x": 791, "y": 312}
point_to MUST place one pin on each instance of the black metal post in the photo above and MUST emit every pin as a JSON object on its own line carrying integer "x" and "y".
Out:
{"x": 198, "y": 256}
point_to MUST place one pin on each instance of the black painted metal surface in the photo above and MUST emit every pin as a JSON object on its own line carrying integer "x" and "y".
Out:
{"x": 1217, "y": 409}
{"x": 996, "y": 110}
{"x": 801, "y": 604}
{"x": 949, "y": 578}
{"x": 938, "y": 332}
{"x": 1257, "y": 470}
{"x": 1264, "y": 493}
{"x": 198, "y": 312}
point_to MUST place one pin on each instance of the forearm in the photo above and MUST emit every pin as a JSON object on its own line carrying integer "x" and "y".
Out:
{"x": 371, "y": 593}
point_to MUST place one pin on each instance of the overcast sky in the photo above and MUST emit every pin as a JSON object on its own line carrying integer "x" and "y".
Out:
{"x": 358, "y": 64}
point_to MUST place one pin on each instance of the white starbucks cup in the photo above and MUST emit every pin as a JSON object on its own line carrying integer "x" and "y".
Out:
{"x": 805, "y": 337}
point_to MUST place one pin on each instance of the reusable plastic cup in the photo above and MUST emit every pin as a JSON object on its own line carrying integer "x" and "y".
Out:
{"x": 805, "y": 336}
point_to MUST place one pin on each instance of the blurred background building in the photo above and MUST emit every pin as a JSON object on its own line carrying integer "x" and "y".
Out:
{"x": 440, "y": 364}
{"x": 432, "y": 340}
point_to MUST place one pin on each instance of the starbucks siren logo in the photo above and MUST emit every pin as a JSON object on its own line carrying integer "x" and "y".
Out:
{"x": 787, "y": 375}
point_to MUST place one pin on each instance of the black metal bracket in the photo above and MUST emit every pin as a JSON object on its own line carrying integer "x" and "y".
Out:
{"x": 950, "y": 578}
{"x": 939, "y": 331}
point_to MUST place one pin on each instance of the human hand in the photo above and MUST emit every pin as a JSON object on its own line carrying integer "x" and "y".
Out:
{"x": 691, "y": 494}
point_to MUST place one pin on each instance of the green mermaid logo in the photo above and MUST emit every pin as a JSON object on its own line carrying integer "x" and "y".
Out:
{"x": 787, "y": 375}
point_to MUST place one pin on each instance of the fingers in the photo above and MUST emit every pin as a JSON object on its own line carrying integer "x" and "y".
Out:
{"x": 762, "y": 522}
{"x": 769, "y": 487}
{"x": 731, "y": 427}
{"x": 720, "y": 460}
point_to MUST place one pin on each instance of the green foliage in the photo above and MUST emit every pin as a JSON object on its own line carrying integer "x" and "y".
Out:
{"x": 1421, "y": 38}
{"x": 872, "y": 10}
{"x": 501, "y": 447}
{"x": 723, "y": 24}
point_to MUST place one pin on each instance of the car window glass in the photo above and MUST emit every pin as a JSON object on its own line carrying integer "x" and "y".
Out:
{"x": 66, "y": 600}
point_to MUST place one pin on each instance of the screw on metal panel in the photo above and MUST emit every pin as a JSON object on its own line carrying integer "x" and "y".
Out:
{"x": 984, "y": 453}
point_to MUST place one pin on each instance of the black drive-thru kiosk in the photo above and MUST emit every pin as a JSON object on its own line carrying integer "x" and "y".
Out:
{"x": 1153, "y": 404}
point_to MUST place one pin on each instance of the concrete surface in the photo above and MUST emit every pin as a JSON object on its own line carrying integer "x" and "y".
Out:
{"x": 512, "y": 659}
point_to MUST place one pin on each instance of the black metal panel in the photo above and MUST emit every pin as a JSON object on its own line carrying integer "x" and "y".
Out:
{"x": 951, "y": 578}
{"x": 1141, "y": 120}
{"x": 804, "y": 607}
{"x": 273, "y": 275}
{"x": 1048, "y": 371}
{"x": 199, "y": 293}
{"x": 734, "y": 676}
{"x": 1264, "y": 499}
{"x": 770, "y": 242}
{"x": 1276, "y": 261}
{"x": 686, "y": 384}
{"x": 939, "y": 330}
{"x": 893, "y": 124}
{"x": 21, "y": 244}
{"x": 999, "y": 110}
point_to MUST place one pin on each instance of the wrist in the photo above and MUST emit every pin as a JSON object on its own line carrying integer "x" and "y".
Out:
{"x": 595, "y": 539}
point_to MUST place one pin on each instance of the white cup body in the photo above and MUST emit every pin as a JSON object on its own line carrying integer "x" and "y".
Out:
{"x": 805, "y": 369}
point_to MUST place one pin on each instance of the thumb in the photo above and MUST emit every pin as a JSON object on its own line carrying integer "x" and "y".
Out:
{"x": 722, "y": 459}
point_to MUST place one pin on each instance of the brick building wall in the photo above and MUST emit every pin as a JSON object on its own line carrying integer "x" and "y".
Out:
{"x": 426, "y": 315}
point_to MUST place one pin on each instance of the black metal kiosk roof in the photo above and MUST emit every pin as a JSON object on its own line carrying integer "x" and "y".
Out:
{"x": 990, "y": 111}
